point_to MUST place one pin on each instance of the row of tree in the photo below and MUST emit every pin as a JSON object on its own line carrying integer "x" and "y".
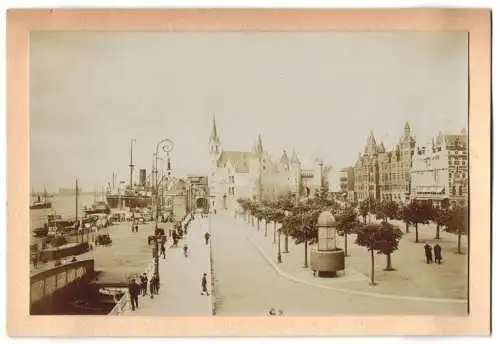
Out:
{"x": 454, "y": 220}
{"x": 298, "y": 220}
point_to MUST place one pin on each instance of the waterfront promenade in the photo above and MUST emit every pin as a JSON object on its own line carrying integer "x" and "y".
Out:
{"x": 180, "y": 279}
{"x": 250, "y": 282}
{"x": 129, "y": 253}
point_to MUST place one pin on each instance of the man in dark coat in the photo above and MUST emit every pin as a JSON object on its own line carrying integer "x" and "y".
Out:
{"x": 428, "y": 253}
{"x": 437, "y": 254}
{"x": 156, "y": 282}
{"x": 144, "y": 284}
{"x": 152, "y": 287}
{"x": 163, "y": 251}
{"x": 207, "y": 236}
{"x": 204, "y": 285}
{"x": 134, "y": 291}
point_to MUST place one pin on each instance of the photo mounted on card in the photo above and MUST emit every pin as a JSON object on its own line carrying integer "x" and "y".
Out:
{"x": 248, "y": 172}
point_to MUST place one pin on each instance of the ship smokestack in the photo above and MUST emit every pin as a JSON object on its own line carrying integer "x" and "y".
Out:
{"x": 142, "y": 177}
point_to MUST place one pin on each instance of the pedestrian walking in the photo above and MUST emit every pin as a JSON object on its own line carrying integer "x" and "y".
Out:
{"x": 163, "y": 251}
{"x": 34, "y": 259}
{"x": 156, "y": 281}
{"x": 428, "y": 252}
{"x": 134, "y": 291}
{"x": 185, "y": 250}
{"x": 144, "y": 284}
{"x": 204, "y": 285}
{"x": 437, "y": 254}
{"x": 136, "y": 228}
{"x": 152, "y": 290}
{"x": 207, "y": 236}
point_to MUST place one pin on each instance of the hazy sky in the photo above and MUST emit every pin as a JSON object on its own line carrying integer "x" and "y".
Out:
{"x": 320, "y": 93}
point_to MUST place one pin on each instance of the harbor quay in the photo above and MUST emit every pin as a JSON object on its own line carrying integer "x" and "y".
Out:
{"x": 114, "y": 265}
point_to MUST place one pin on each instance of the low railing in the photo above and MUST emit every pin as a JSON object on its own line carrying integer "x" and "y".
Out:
{"x": 123, "y": 304}
{"x": 47, "y": 282}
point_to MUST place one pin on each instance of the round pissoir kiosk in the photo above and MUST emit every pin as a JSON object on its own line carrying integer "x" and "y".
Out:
{"x": 327, "y": 258}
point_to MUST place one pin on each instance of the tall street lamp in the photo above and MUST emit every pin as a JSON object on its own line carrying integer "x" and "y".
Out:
{"x": 167, "y": 146}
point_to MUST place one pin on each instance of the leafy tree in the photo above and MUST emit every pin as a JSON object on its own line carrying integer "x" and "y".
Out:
{"x": 440, "y": 217}
{"x": 381, "y": 238}
{"x": 259, "y": 214}
{"x": 301, "y": 225}
{"x": 364, "y": 210}
{"x": 277, "y": 215}
{"x": 347, "y": 223}
{"x": 406, "y": 216}
{"x": 458, "y": 223}
{"x": 244, "y": 203}
{"x": 252, "y": 206}
{"x": 385, "y": 210}
{"x": 419, "y": 213}
{"x": 268, "y": 214}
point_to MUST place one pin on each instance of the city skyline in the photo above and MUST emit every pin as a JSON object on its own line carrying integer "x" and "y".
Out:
{"x": 92, "y": 92}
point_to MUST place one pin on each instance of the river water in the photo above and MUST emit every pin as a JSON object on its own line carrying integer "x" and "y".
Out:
{"x": 61, "y": 205}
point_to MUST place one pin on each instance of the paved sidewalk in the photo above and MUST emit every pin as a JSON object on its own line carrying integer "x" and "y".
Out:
{"x": 180, "y": 279}
{"x": 413, "y": 278}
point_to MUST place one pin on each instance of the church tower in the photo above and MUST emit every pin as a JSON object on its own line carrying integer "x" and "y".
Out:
{"x": 214, "y": 146}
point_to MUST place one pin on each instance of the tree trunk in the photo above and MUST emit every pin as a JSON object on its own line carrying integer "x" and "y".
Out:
{"x": 258, "y": 224}
{"x": 253, "y": 221}
{"x": 265, "y": 231}
{"x": 459, "y": 251}
{"x": 373, "y": 267}
{"x": 416, "y": 232}
{"x": 407, "y": 227}
{"x": 437, "y": 231}
{"x": 388, "y": 266}
{"x": 286, "y": 244}
{"x": 364, "y": 219}
{"x": 305, "y": 254}
{"x": 345, "y": 244}
{"x": 274, "y": 235}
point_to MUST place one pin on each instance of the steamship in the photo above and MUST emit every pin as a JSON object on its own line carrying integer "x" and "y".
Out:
{"x": 129, "y": 196}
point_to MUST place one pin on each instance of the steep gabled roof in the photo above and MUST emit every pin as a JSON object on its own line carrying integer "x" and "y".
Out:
{"x": 451, "y": 140}
{"x": 284, "y": 158}
{"x": 240, "y": 160}
{"x": 295, "y": 158}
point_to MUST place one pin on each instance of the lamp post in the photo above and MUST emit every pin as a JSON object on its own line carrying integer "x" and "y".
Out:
{"x": 167, "y": 146}
{"x": 279, "y": 257}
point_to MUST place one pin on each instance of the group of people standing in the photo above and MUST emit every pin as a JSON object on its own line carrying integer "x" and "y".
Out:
{"x": 140, "y": 287}
{"x": 438, "y": 257}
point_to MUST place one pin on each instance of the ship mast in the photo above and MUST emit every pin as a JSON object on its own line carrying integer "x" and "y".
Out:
{"x": 76, "y": 202}
{"x": 131, "y": 163}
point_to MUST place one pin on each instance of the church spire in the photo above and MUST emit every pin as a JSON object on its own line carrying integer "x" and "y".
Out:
{"x": 371, "y": 144}
{"x": 259, "y": 148}
{"x": 407, "y": 129}
{"x": 295, "y": 158}
{"x": 214, "y": 137}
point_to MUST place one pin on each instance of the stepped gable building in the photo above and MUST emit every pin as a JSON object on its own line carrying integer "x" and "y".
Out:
{"x": 440, "y": 170}
{"x": 252, "y": 174}
{"x": 382, "y": 174}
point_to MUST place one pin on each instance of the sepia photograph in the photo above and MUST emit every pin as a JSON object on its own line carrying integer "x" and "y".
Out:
{"x": 248, "y": 173}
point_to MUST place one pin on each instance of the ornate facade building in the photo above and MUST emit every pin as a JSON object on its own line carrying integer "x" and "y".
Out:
{"x": 382, "y": 174}
{"x": 440, "y": 171}
{"x": 254, "y": 174}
